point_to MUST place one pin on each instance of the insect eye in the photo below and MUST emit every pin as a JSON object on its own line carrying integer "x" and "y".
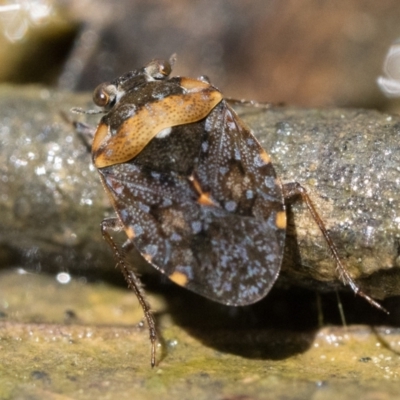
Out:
{"x": 158, "y": 69}
{"x": 104, "y": 95}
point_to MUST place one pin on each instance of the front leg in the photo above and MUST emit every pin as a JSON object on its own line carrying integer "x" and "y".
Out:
{"x": 132, "y": 280}
{"x": 84, "y": 131}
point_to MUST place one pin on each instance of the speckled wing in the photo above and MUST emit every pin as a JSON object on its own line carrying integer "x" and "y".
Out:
{"x": 220, "y": 231}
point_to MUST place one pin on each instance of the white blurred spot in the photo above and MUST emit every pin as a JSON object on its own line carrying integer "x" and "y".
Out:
{"x": 63, "y": 278}
{"x": 390, "y": 84}
{"x": 17, "y": 16}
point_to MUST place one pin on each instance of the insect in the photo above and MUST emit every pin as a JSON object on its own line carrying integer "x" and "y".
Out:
{"x": 192, "y": 188}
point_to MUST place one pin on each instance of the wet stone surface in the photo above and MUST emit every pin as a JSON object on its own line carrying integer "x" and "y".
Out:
{"x": 349, "y": 161}
{"x": 51, "y": 200}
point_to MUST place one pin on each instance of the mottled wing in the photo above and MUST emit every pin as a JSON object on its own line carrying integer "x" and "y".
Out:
{"x": 220, "y": 231}
{"x": 238, "y": 174}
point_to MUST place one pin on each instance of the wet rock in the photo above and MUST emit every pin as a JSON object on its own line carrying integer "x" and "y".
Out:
{"x": 51, "y": 200}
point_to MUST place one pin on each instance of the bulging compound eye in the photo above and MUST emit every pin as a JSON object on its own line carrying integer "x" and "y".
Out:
{"x": 158, "y": 69}
{"x": 105, "y": 95}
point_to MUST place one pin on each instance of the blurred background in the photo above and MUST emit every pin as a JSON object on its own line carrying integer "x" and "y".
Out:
{"x": 308, "y": 53}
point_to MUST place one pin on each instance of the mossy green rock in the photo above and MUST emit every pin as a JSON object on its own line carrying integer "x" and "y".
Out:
{"x": 84, "y": 341}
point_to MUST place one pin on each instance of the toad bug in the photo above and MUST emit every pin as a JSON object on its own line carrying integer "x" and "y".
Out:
{"x": 194, "y": 191}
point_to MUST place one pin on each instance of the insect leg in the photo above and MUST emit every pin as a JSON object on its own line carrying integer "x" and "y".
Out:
{"x": 132, "y": 280}
{"x": 295, "y": 189}
{"x": 84, "y": 131}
